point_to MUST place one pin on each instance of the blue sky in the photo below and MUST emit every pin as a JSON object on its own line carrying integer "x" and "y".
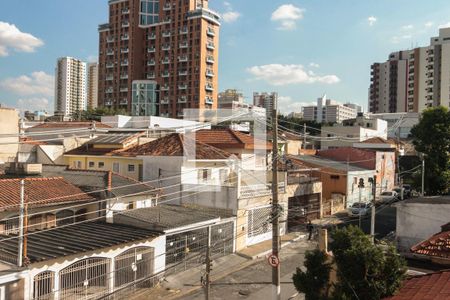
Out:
{"x": 301, "y": 49}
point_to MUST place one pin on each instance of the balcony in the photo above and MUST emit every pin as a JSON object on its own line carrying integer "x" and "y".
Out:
{"x": 109, "y": 65}
{"x": 182, "y": 86}
{"x": 182, "y": 99}
{"x": 151, "y": 36}
{"x": 166, "y": 34}
{"x": 109, "y": 90}
{"x": 109, "y": 78}
{"x": 151, "y": 49}
{"x": 184, "y": 45}
{"x": 124, "y": 63}
{"x": 124, "y": 76}
{"x": 210, "y": 46}
{"x": 124, "y": 50}
{"x": 166, "y": 21}
{"x": 167, "y": 7}
{"x": 164, "y": 100}
{"x": 110, "y": 39}
{"x": 183, "y": 73}
{"x": 210, "y": 32}
{"x": 123, "y": 102}
{"x": 183, "y": 58}
{"x": 165, "y": 61}
{"x": 209, "y": 87}
{"x": 151, "y": 62}
{"x": 165, "y": 74}
{"x": 125, "y": 24}
{"x": 108, "y": 103}
{"x": 209, "y": 73}
{"x": 125, "y": 11}
{"x": 151, "y": 75}
{"x": 125, "y": 37}
{"x": 123, "y": 90}
{"x": 180, "y": 114}
{"x": 110, "y": 52}
{"x": 210, "y": 59}
{"x": 164, "y": 88}
{"x": 209, "y": 100}
{"x": 165, "y": 47}
{"x": 184, "y": 30}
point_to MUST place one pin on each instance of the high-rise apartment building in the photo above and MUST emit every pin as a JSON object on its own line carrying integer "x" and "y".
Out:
{"x": 330, "y": 111}
{"x": 413, "y": 80}
{"x": 92, "y": 85}
{"x": 230, "y": 98}
{"x": 170, "y": 44}
{"x": 265, "y": 100}
{"x": 70, "y": 86}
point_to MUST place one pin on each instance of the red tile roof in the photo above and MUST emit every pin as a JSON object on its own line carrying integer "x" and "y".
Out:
{"x": 436, "y": 246}
{"x": 227, "y": 138}
{"x": 434, "y": 286}
{"x": 39, "y": 192}
{"x": 175, "y": 145}
{"x": 70, "y": 125}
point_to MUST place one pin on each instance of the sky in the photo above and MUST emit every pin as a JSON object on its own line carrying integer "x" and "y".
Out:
{"x": 300, "y": 49}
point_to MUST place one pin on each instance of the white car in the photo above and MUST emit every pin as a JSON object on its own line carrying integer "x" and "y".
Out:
{"x": 359, "y": 208}
{"x": 388, "y": 197}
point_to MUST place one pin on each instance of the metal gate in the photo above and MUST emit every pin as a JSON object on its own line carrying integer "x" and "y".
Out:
{"x": 43, "y": 284}
{"x": 85, "y": 279}
{"x": 133, "y": 265}
{"x": 301, "y": 209}
{"x": 259, "y": 225}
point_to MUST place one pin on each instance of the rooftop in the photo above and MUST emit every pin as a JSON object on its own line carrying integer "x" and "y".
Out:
{"x": 328, "y": 163}
{"x": 70, "y": 125}
{"x": 434, "y": 286}
{"x": 39, "y": 192}
{"x": 114, "y": 139}
{"x": 436, "y": 246}
{"x": 427, "y": 200}
{"x": 227, "y": 138}
{"x": 74, "y": 239}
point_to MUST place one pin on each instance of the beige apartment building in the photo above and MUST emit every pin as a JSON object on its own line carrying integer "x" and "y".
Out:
{"x": 92, "y": 85}
{"x": 413, "y": 80}
{"x": 9, "y": 125}
{"x": 173, "y": 45}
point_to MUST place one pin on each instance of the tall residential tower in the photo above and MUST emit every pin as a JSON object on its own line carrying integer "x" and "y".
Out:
{"x": 92, "y": 85}
{"x": 167, "y": 50}
{"x": 70, "y": 86}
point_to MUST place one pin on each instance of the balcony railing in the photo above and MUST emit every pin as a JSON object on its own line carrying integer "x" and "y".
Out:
{"x": 125, "y": 24}
{"x": 182, "y": 99}
{"x": 209, "y": 73}
{"x": 151, "y": 49}
{"x": 166, "y": 34}
{"x": 123, "y": 89}
{"x": 209, "y": 100}
{"x": 210, "y": 46}
{"x": 165, "y": 61}
{"x": 165, "y": 47}
{"x": 182, "y": 86}
{"x": 125, "y": 37}
{"x": 164, "y": 88}
{"x": 124, "y": 50}
{"x": 210, "y": 32}
{"x": 110, "y": 52}
{"x": 125, "y": 11}
{"x": 151, "y": 76}
{"x": 184, "y": 45}
{"x": 151, "y": 62}
{"x": 167, "y": 6}
{"x": 151, "y": 36}
{"x": 184, "y": 30}
{"x": 183, "y": 58}
{"x": 210, "y": 59}
{"x": 124, "y": 63}
{"x": 209, "y": 87}
{"x": 110, "y": 39}
{"x": 165, "y": 74}
{"x": 109, "y": 90}
{"x": 183, "y": 73}
{"x": 109, "y": 77}
{"x": 166, "y": 21}
{"x": 164, "y": 100}
{"x": 109, "y": 65}
{"x": 124, "y": 76}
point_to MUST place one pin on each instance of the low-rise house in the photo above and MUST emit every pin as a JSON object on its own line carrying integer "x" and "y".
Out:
{"x": 338, "y": 178}
{"x": 382, "y": 161}
{"x": 88, "y": 260}
{"x": 435, "y": 249}
{"x": 420, "y": 218}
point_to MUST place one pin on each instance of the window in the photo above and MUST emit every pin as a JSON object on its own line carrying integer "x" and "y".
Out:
{"x": 335, "y": 177}
{"x": 91, "y": 164}
{"x": 116, "y": 167}
{"x": 101, "y": 164}
{"x": 130, "y": 168}
{"x": 130, "y": 205}
{"x": 77, "y": 164}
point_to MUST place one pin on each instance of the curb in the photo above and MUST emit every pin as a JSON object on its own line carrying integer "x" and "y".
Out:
{"x": 268, "y": 251}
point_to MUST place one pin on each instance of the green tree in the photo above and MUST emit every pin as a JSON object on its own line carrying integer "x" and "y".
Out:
{"x": 364, "y": 270}
{"x": 431, "y": 136}
{"x": 314, "y": 283}
{"x": 97, "y": 113}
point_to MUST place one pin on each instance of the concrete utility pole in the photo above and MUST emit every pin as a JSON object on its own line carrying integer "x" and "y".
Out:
{"x": 360, "y": 186}
{"x": 304, "y": 135}
{"x": 276, "y": 287}
{"x": 208, "y": 266}
{"x": 423, "y": 175}
{"x": 21, "y": 218}
{"x": 372, "y": 217}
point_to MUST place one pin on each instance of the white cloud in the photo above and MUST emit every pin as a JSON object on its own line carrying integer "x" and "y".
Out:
{"x": 446, "y": 25}
{"x": 372, "y": 20}
{"x": 33, "y": 104}
{"x": 408, "y": 27}
{"x": 38, "y": 83}
{"x": 429, "y": 24}
{"x": 230, "y": 16}
{"x": 398, "y": 39}
{"x": 314, "y": 65}
{"x": 278, "y": 74}
{"x": 287, "y": 105}
{"x": 287, "y": 15}
{"x": 92, "y": 58}
{"x": 12, "y": 38}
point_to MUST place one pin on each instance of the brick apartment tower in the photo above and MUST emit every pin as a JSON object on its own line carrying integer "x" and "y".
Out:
{"x": 173, "y": 43}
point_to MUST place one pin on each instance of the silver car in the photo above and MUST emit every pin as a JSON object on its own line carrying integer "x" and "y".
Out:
{"x": 359, "y": 208}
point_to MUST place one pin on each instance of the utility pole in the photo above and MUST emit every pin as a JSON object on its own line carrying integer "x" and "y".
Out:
{"x": 276, "y": 287}
{"x": 304, "y": 135}
{"x": 208, "y": 266}
{"x": 372, "y": 217}
{"x": 360, "y": 186}
{"x": 423, "y": 175}
{"x": 21, "y": 217}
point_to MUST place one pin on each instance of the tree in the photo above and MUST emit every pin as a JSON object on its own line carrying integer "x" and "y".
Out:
{"x": 97, "y": 113}
{"x": 314, "y": 283}
{"x": 363, "y": 269}
{"x": 431, "y": 136}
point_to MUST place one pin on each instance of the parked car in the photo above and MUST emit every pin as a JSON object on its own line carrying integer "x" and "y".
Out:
{"x": 407, "y": 192}
{"x": 359, "y": 208}
{"x": 388, "y": 197}
{"x": 398, "y": 190}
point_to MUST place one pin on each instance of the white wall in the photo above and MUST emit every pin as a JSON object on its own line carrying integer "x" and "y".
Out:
{"x": 353, "y": 190}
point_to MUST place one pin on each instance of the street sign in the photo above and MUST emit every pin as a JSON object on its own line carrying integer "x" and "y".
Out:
{"x": 274, "y": 261}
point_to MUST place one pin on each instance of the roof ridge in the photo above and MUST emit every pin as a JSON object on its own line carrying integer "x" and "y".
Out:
{"x": 33, "y": 179}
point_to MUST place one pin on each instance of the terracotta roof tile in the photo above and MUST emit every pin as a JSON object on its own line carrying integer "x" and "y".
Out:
{"x": 70, "y": 125}
{"x": 437, "y": 246}
{"x": 227, "y": 138}
{"x": 175, "y": 145}
{"x": 40, "y": 191}
{"x": 434, "y": 286}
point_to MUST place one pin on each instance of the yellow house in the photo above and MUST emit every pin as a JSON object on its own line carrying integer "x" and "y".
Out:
{"x": 101, "y": 154}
